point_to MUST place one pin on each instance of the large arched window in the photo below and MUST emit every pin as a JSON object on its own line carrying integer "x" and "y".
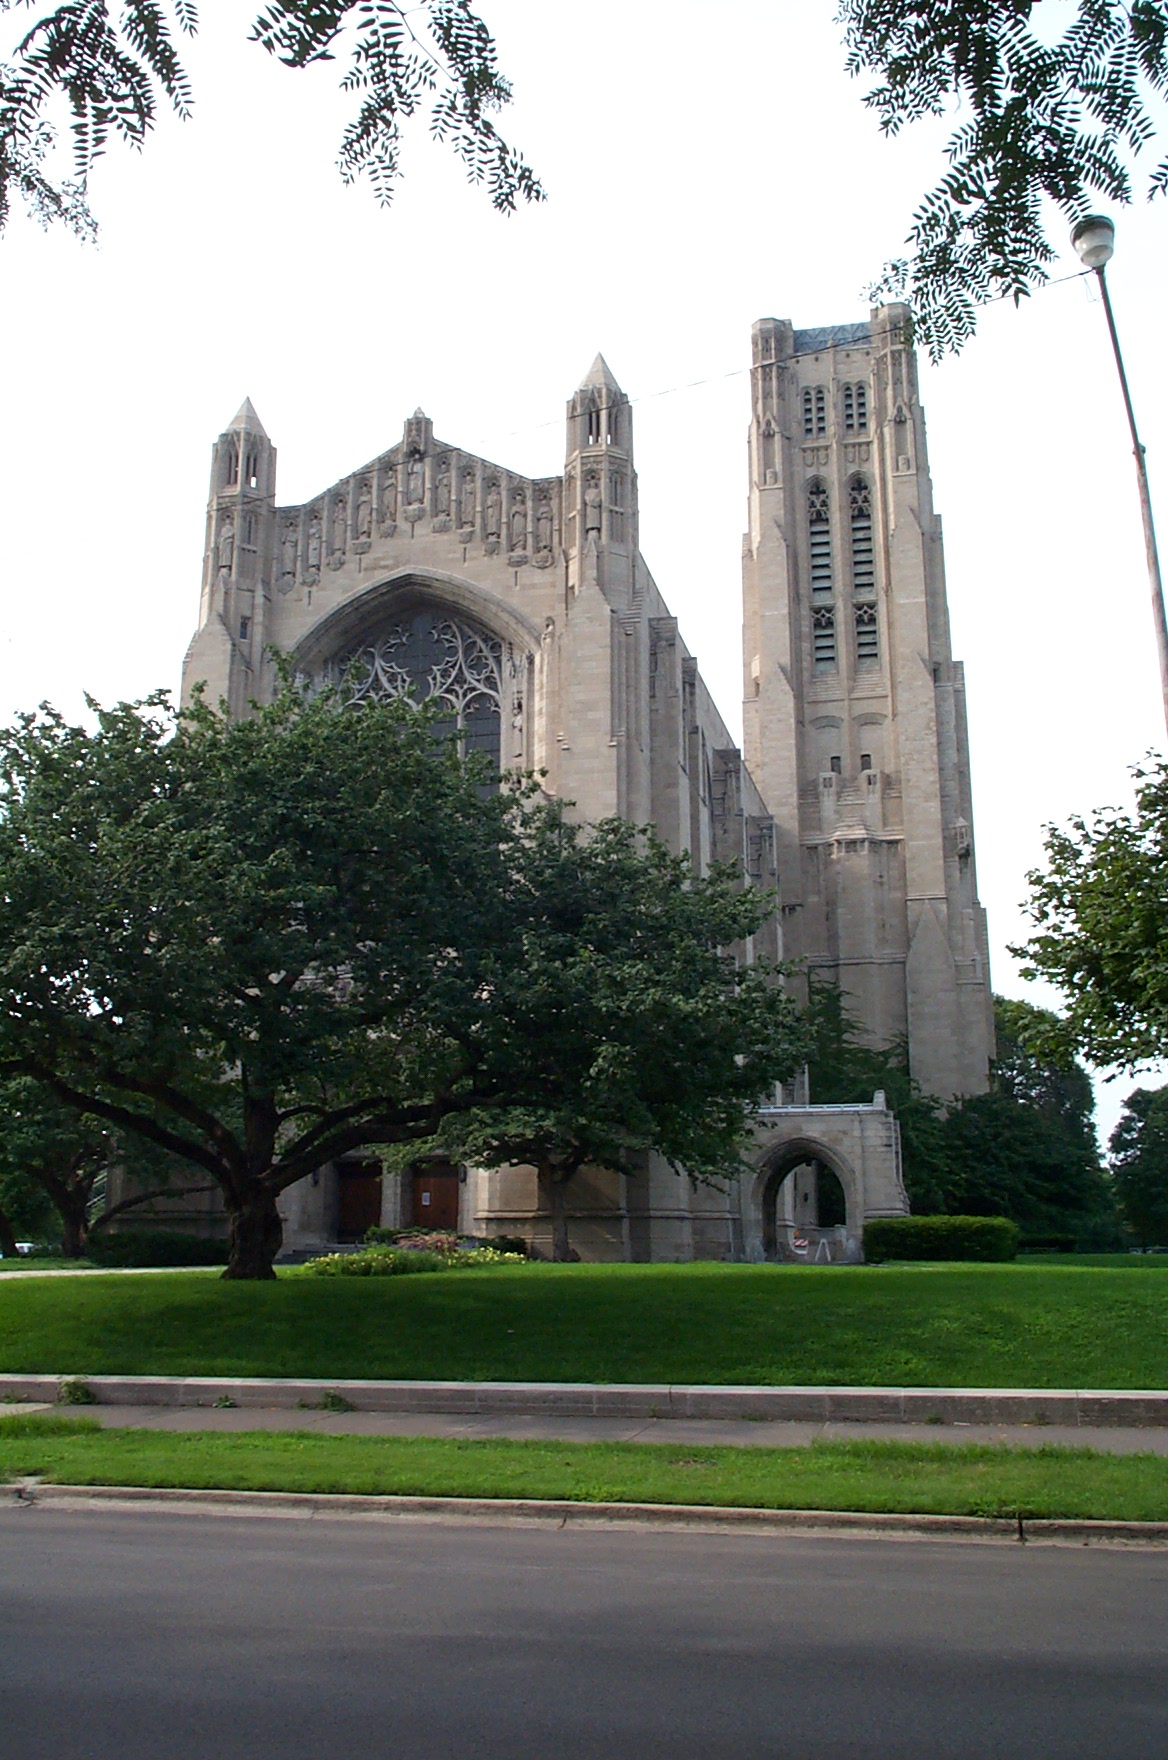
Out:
{"x": 426, "y": 653}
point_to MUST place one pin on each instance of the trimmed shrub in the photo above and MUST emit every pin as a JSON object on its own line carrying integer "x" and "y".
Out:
{"x": 939, "y": 1237}
{"x": 155, "y": 1247}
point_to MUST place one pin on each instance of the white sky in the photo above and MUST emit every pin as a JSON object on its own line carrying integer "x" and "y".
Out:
{"x": 697, "y": 181}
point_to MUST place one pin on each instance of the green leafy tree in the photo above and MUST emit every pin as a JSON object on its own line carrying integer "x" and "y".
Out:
{"x": 262, "y": 944}
{"x": 108, "y": 72}
{"x": 1100, "y": 907}
{"x": 52, "y": 1156}
{"x": 1026, "y": 1149}
{"x": 1042, "y": 123}
{"x": 257, "y": 944}
{"x": 1139, "y": 1165}
{"x": 627, "y": 1028}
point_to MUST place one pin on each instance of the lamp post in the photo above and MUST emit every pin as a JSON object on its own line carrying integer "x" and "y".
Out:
{"x": 1094, "y": 240}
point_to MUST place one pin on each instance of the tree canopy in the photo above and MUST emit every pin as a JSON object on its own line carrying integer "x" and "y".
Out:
{"x": 109, "y": 72}
{"x": 1139, "y": 1165}
{"x": 631, "y": 1028}
{"x": 1044, "y": 119}
{"x": 1026, "y": 1149}
{"x": 1100, "y": 906}
{"x": 264, "y": 944}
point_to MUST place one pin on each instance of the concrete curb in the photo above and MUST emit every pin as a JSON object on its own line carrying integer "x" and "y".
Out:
{"x": 884, "y": 1405}
{"x": 558, "y": 1513}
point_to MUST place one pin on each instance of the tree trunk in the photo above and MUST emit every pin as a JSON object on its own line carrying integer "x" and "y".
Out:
{"x": 7, "y": 1237}
{"x": 71, "y": 1208}
{"x": 556, "y": 1185}
{"x": 255, "y": 1236}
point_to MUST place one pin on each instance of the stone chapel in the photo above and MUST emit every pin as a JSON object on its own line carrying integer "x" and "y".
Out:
{"x": 525, "y": 607}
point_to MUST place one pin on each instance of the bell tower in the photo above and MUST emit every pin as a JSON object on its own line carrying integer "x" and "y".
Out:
{"x": 854, "y": 712}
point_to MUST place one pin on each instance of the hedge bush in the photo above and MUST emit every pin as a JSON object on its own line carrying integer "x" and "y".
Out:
{"x": 940, "y": 1237}
{"x": 142, "y": 1247}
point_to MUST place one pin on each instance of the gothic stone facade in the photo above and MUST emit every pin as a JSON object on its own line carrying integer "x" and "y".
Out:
{"x": 525, "y": 607}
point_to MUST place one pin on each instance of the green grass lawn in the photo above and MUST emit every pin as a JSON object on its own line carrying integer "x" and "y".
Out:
{"x": 907, "y": 1477}
{"x": 1036, "y": 1325}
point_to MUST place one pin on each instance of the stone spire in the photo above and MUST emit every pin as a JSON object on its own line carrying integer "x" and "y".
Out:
{"x": 246, "y": 420}
{"x": 600, "y": 486}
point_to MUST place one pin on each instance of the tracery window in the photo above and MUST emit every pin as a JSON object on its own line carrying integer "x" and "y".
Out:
{"x": 433, "y": 657}
{"x": 856, "y": 408}
{"x": 814, "y": 411}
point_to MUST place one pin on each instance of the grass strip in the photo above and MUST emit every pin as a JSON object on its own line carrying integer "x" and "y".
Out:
{"x": 1026, "y": 1325}
{"x": 908, "y": 1478}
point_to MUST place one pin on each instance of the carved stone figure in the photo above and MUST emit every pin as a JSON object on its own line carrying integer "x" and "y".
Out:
{"x": 226, "y": 543}
{"x": 442, "y": 490}
{"x": 543, "y": 526}
{"x": 364, "y": 510}
{"x": 466, "y": 499}
{"x": 519, "y": 522}
{"x": 389, "y": 498}
{"x": 494, "y": 512}
{"x": 592, "y": 507}
{"x": 314, "y": 541}
{"x": 340, "y": 514}
{"x": 288, "y": 550}
{"x": 415, "y": 480}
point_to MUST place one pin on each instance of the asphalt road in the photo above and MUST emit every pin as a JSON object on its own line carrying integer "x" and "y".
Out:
{"x": 172, "y": 1637}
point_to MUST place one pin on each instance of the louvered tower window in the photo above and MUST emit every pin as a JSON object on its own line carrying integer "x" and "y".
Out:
{"x": 814, "y": 412}
{"x": 856, "y": 408}
{"x": 823, "y": 647}
{"x": 819, "y": 530}
{"x": 823, "y": 635}
{"x": 863, "y": 572}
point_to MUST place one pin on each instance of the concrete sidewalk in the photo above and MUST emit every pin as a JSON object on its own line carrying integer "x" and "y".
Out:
{"x": 672, "y": 1432}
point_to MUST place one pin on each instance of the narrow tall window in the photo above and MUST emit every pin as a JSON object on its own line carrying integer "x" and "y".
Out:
{"x": 594, "y": 427}
{"x": 856, "y": 408}
{"x": 814, "y": 412}
{"x": 819, "y": 530}
{"x": 232, "y": 464}
{"x": 862, "y": 408}
{"x": 251, "y": 470}
{"x": 863, "y": 560}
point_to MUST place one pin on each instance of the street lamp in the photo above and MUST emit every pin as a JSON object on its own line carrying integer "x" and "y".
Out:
{"x": 1094, "y": 240}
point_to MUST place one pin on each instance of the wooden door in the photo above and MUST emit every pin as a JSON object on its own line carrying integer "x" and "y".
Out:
{"x": 358, "y": 1198}
{"x": 435, "y": 1195}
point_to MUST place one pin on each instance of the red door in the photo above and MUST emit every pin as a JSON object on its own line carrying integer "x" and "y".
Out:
{"x": 436, "y": 1195}
{"x": 358, "y": 1199}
